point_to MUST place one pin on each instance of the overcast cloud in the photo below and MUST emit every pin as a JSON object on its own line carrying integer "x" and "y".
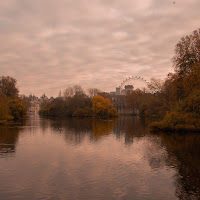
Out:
{"x": 48, "y": 45}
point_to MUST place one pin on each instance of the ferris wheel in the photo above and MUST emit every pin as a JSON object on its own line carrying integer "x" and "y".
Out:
{"x": 138, "y": 81}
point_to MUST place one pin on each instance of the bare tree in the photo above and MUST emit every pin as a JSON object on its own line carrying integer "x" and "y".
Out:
{"x": 93, "y": 92}
{"x": 155, "y": 85}
{"x": 75, "y": 90}
{"x": 78, "y": 90}
{"x": 68, "y": 92}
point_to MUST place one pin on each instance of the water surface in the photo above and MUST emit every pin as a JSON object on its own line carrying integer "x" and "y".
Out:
{"x": 96, "y": 159}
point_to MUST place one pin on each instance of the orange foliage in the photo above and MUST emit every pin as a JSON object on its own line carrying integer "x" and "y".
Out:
{"x": 103, "y": 107}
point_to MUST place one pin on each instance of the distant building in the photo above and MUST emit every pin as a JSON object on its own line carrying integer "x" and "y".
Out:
{"x": 36, "y": 103}
{"x": 127, "y": 90}
{"x": 119, "y": 91}
{"x": 60, "y": 94}
{"x": 105, "y": 95}
{"x": 34, "y": 106}
{"x": 118, "y": 99}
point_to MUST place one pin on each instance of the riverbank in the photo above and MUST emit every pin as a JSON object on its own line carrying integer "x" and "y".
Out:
{"x": 177, "y": 122}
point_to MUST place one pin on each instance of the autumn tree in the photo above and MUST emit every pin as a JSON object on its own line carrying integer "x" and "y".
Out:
{"x": 136, "y": 98}
{"x": 8, "y": 86}
{"x": 4, "y": 109}
{"x": 103, "y": 107}
{"x": 78, "y": 105}
{"x": 187, "y": 53}
{"x": 17, "y": 108}
{"x": 181, "y": 90}
{"x": 191, "y": 82}
{"x": 25, "y": 100}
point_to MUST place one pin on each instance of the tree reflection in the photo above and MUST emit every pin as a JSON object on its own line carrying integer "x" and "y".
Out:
{"x": 9, "y": 135}
{"x": 129, "y": 127}
{"x": 76, "y": 129}
{"x": 102, "y": 127}
{"x": 186, "y": 150}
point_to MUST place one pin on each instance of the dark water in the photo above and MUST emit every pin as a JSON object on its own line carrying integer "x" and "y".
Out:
{"x": 96, "y": 159}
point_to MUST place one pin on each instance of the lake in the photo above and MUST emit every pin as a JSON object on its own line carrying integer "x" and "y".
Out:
{"x": 87, "y": 158}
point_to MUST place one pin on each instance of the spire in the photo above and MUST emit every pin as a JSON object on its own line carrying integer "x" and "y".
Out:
{"x": 60, "y": 94}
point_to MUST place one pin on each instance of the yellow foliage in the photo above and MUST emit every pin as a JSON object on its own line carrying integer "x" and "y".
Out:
{"x": 103, "y": 107}
{"x": 102, "y": 128}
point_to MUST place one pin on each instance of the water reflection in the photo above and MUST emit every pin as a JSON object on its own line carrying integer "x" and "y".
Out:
{"x": 180, "y": 152}
{"x": 184, "y": 154}
{"x": 9, "y": 135}
{"x": 130, "y": 127}
{"x": 75, "y": 129}
{"x": 90, "y": 158}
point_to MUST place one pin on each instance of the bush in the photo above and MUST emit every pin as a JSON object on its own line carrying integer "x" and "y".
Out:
{"x": 83, "y": 112}
{"x": 177, "y": 121}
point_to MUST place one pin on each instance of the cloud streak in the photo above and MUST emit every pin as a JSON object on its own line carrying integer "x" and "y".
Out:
{"x": 49, "y": 45}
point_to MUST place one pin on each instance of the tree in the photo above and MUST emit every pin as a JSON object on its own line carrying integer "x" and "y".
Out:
{"x": 4, "y": 109}
{"x": 8, "y": 87}
{"x": 25, "y": 100}
{"x": 69, "y": 92}
{"x": 136, "y": 98}
{"x": 17, "y": 109}
{"x": 75, "y": 90}
{"x": 155, "y": 85}
{"x": 93, "y": 92}
{"x": 103, "y": 107}
{"x": 191, "y": 82}
{"x": 187, "y": 53}
{"x": 78, "y": 105}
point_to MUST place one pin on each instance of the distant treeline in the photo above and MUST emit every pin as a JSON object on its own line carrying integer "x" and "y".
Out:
{"x": 79, "y": 105}
{"x": 12, "y": 106}
{"x": 176, "y": 101}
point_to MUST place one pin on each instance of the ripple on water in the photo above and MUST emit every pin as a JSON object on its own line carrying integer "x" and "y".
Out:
{"x": 87, "y": 159}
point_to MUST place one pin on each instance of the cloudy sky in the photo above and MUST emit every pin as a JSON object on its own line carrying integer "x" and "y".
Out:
{"x": 49, "y": 45}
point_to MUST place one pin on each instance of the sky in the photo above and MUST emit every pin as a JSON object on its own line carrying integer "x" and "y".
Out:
{"x": 49, "y": 45}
